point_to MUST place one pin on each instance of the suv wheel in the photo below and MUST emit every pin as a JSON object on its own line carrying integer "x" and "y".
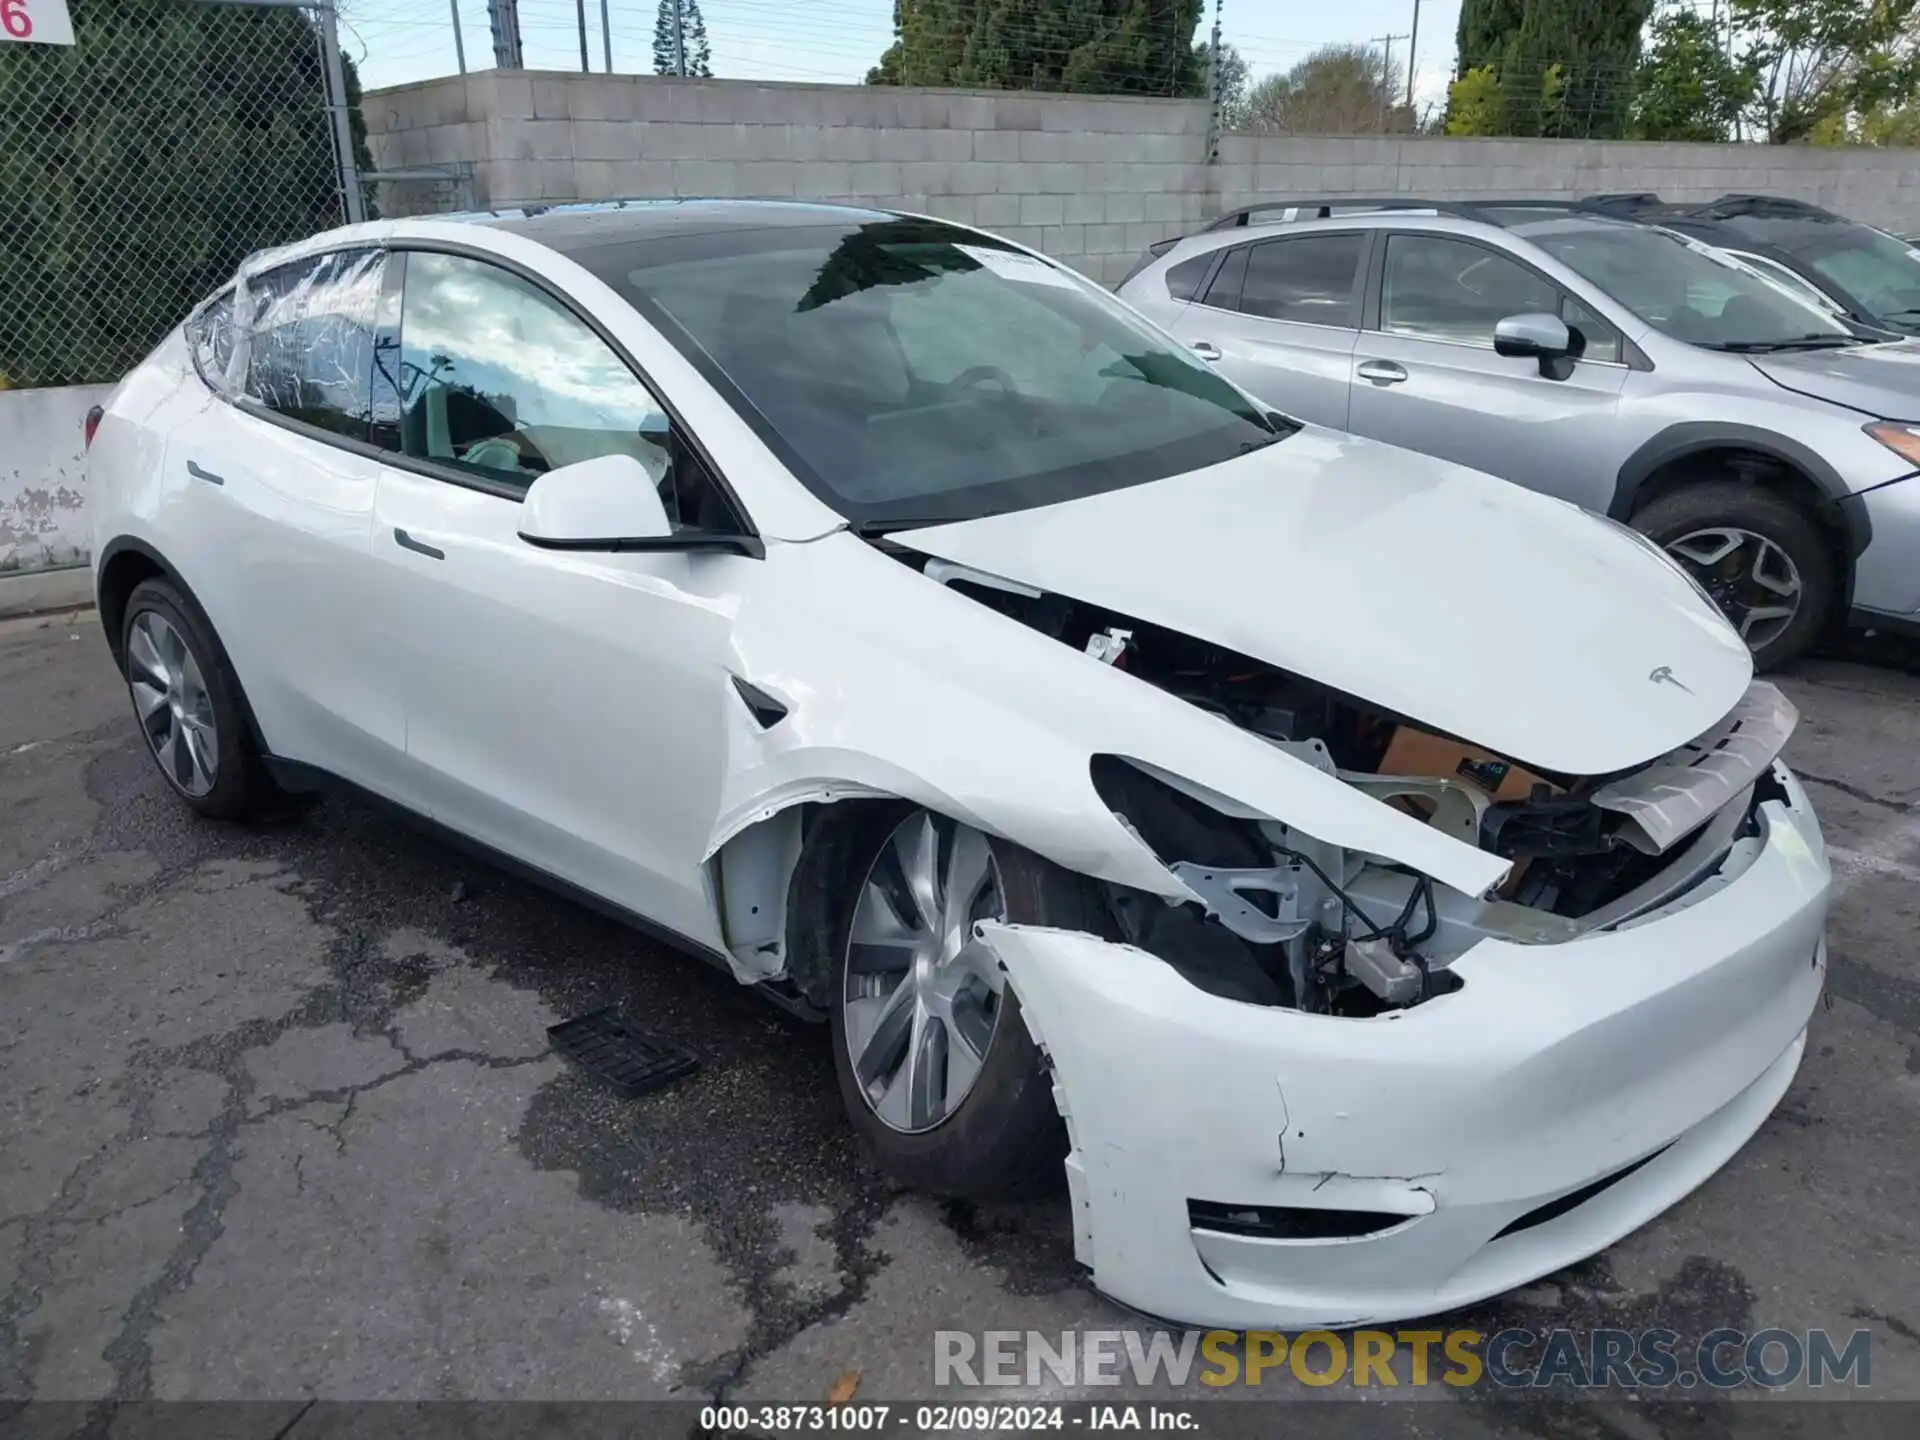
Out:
{"x": 936, "y": 1067}
{"x": 188, "y": 703}
{"x": 1762, "y": 559}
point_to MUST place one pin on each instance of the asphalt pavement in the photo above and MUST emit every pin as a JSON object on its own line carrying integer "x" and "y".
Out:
{"x": 279, "y": 1120}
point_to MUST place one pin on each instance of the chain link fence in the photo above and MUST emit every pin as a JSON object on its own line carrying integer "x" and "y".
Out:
{"x": 141, "y": 164}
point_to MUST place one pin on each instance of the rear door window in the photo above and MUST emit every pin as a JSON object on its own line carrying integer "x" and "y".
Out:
{"x": 1224, "y": 292}
{"x": 210, "y": 339}
{"x": 1310, "y": 279}
{"x": 310, "y": 336}
{"x": 1184, "y": 279}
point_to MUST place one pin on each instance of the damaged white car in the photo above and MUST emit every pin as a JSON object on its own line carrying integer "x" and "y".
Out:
{"x": 1374, "y": 883}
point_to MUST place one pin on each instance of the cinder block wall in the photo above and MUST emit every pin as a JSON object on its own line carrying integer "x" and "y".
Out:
{"x": 1091, "y": 181}
{"x": 1881, "y": 187}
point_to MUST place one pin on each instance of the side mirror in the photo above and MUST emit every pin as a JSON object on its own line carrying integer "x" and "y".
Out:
{"x": 1541, "y": 337}
{"x": 611, "y": 502}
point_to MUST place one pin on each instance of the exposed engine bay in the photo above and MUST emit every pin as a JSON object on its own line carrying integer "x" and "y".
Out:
{"x": 1285, "y": 920}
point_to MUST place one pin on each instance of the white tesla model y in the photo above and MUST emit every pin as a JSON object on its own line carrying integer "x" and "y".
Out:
{"x": 1374, "y": 884}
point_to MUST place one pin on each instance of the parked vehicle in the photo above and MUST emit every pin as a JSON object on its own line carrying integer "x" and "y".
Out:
{"x": 1370, "y": 885}
{"x": 1852, "y": 270}
{"x": 1763, "y": 442}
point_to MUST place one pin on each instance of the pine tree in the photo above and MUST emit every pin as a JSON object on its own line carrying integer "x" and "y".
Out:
{"x": 1565, "y": 67}
{"x": 1486, "y": 28}
{"x": 1142, "y": 47}
{"x": 697, "y": 58}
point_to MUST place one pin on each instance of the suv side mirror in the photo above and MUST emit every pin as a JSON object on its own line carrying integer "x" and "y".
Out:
{"x": 598, "y": 504}
{"x": 1542, "y": 337}
{"x": 609, "y": 504}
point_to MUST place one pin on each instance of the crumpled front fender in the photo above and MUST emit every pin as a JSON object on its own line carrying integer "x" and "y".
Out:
{"x": 997, "y": 725}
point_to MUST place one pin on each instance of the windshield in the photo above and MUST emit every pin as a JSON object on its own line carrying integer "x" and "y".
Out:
{"x": 1689, "y": 290}
{"x": 1881, "y": 273}
{"x": 909, "y": 371}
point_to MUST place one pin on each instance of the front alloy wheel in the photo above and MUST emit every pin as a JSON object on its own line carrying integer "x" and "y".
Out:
{"x": 922, "y": 997}
{"x": 1750, "y": 578}
{"x": 1762, "y": 557}
{"x": 937, "y": 1067}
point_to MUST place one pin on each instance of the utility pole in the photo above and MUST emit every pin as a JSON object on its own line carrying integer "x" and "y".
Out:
{"x": 1216, "y": 76}
{"x": 1413, "y": 52}
{"x": 459, "y": 45}
{"x": 580, "y": 13}
{"x": 606, "y": 36}
{"x": 351, "y": 196}
{"x": 679, "y": 39}
{"x": 1386, "y": 74}
{"x": 503, "y": 16}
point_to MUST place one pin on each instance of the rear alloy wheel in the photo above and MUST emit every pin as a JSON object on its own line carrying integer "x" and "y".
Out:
{"x": 170, "y": 697}
{"x": 189, "y": 706}
{"x": 937, "y": 1069}
{"x": 1762, "y": 559}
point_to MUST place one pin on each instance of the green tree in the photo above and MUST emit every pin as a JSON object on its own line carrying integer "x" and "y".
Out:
{"x": 1825, "y": 65}
{"x": 1687, "y": 88}
{"x": 1476, "y": 105}
{"x": 1232, "y": 80}
{"x": 1142, "y": 47}
{"x": 1565, "y": 66}
{"x": 140, "y": 165}
{"x": 1486, "y": 28}
{"x": 693, "y": 39}
{"x": 1337, "y": 90}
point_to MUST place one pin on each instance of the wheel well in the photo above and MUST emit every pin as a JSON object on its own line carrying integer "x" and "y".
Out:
{"x": 1765, "y": 472}
{"x": 123, "y": 570}
{"x": 810, "y": 907}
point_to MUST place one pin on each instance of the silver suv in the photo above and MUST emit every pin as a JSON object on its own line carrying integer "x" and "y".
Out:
{"x": 1767, "y": 445}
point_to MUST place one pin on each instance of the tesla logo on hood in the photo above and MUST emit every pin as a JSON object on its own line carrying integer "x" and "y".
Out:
{"x": 1663, "y": 675}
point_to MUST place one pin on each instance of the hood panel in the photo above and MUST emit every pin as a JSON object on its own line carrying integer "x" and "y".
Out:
{"x": 1470, "y": 605}
{"x": 1882, "y": 381}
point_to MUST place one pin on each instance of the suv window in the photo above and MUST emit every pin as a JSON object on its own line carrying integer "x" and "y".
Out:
{"x": 1603, "y": 341}
{"x": 498, "y": 378}
{"x": 1308, "y": 278}
{"x": 1443, "y": 289}
{"x": 1451, "y": 290}
{"x": 210, "y": 339}
{"x": 1224, "y": 292}
{"x": 1183, "y": 280}
{"x": 1775, "y": 271}
{"x": 310, "y": 339}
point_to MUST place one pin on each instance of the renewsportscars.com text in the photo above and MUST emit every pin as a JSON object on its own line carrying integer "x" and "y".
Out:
{"x": 1655, "y": 1358}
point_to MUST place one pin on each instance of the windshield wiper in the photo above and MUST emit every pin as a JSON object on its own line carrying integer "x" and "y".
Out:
{"x": 1799, "y": 342}
{"x": 871, "y": 529}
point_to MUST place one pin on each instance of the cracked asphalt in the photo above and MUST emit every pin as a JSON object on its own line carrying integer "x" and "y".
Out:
{"x": 278, "y": 1121}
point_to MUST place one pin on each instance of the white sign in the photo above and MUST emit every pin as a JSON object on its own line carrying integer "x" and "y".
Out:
{"x": 1012, "y": 265}
{"x": 38, "y": 22}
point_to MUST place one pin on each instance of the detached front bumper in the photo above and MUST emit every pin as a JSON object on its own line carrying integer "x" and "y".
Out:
{"x": 1560, "y": 1099}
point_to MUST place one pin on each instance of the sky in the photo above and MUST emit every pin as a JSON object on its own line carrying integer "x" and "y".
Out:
{"x": 395, "y": 41}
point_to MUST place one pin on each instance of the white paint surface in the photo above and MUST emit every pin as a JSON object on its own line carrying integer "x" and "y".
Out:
{"x": 43, "y": 476}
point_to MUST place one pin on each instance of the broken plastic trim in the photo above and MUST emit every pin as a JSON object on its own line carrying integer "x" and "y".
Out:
{"x": 1566, "y": 1204}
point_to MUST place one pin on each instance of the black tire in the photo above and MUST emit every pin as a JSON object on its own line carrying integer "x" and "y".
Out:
{"x": 1735, "y": 505}
{"x": 241, "y": 788}
{"x": 1005, "y": 1139}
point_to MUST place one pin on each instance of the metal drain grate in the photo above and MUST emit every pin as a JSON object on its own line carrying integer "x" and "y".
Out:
{"x": 628, "y": 1060}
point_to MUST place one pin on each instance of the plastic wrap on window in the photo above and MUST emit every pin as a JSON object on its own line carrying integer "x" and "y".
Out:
{"x": 305, "y": 347}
